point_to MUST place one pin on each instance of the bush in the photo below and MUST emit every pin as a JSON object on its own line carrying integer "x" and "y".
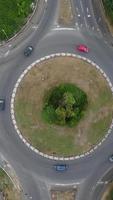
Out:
{"x": 13, "y": 14}
{"x": 108, "y": 4}
{"x": 64, "y": 105}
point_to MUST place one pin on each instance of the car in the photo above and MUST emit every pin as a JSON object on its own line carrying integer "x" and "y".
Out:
{"x": 82, "y": 48}
{"x": 61, "y": 167}
{"x": 111, "y": 158}
{"x": 2, "y": 104}
{"x": 28, "y": 50}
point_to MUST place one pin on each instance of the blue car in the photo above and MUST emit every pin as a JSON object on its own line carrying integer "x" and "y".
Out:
{"x": 61, "y": 167}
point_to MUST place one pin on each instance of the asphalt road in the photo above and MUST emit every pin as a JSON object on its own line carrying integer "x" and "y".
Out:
{"x": 35, "y": 172}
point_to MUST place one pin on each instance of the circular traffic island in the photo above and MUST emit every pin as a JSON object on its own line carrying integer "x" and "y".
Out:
{"x": 63, "y": 106}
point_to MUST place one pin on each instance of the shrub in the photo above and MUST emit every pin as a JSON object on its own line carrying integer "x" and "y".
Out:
{"x": 64, "y": 105}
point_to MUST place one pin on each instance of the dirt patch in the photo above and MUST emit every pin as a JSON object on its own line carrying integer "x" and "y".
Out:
{"x": 69, "y": 194}
{"x": 60, "y": 140}
{"x": 65, "y": 13}
{"x": 108, "y": 194}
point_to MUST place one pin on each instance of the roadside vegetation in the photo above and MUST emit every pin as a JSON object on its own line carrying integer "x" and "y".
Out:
{"x": 108, "y": 194}
{"x": 108, "y": 5}
{"x": 13, "y": 14}
{"x": 65, "y": 139}
{"x": 7, "y": 190}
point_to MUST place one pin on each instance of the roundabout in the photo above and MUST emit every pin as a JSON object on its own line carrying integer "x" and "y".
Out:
{"x": 28, "y": 95}
{"x": 33, "y": 168}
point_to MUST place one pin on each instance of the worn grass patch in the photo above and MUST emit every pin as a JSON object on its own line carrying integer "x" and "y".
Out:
{"x": 65, "y": 13}
{"x": 65, "y": 194}
{"x": 108, "y": 194}
{"x": 13, "y": 14}
{"x": 7, "y": 189}
{"x": 60, "y": 140}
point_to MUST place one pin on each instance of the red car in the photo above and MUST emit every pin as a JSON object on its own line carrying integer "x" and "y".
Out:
{"x": 82, "y": 48}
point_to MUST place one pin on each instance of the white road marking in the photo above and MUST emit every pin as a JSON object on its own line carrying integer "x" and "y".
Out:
{"x": 78, "y": 15}
{"x": 35, "y": 27}
{"x": 78, "y": 28}
{"x": 61, "y": 28}
{"x": 58, "y": 25}
{"x": 89, "y": 15}
{"x": 81, "y": 6}
{"x": 87, "y": 10}
{"x": 77, "y": 9}
{"x": 102, "y": 182}
{"x": 99, "y": 19}
{"x": 85, "y": 21}
{"x": 6, "y": 54}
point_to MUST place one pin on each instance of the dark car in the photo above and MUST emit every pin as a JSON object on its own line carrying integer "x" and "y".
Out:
{"x": 61, "y": 167}
{"x": 111, "y": 158}
{"x": 2, "y": 104}
{"x": 28, "y": 50}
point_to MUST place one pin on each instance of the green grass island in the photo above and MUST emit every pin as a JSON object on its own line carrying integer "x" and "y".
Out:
{"x": 63, "y": 106}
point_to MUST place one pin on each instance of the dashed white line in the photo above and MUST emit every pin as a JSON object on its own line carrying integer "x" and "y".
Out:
{"x": 81, "y": 6}
{"x": 6, "y": 54}
{"x": 87, "y": 10}
{"x": 85, "y": 21}
{"x": 89, "y": 15}
{"x": 35, "y": 27}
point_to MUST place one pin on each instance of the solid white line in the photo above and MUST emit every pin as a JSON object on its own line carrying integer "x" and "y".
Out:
{"x": 85, "y": 21}
{"x": 6, "y": 54}
{"x": 81, "y": 6}
{"x": 61, "y": 28}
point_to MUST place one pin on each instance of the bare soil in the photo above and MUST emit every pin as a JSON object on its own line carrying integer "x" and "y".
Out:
{"x": 65, "y": 13}
{"x": 69, "y": 194}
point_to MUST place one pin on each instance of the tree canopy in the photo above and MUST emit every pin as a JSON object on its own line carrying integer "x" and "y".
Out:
{"x": 64, "y": 105}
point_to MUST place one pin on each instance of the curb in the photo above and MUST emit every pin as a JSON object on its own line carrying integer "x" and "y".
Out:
{"x": 13, "y": 99}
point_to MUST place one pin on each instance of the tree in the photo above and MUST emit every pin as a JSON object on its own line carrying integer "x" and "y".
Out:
{"x": 61, "y": 115}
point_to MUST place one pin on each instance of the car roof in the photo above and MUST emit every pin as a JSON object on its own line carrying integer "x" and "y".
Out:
{"x": 2, "y": 104}
{"x": 61, "y": 167}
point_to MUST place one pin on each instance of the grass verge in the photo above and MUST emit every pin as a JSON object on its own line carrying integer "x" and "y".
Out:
{"x": 13, "y": 14}
{"x": 7, "y": 190}
{"x": 108, "y": 194}
{"x": 109, "y": 15}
